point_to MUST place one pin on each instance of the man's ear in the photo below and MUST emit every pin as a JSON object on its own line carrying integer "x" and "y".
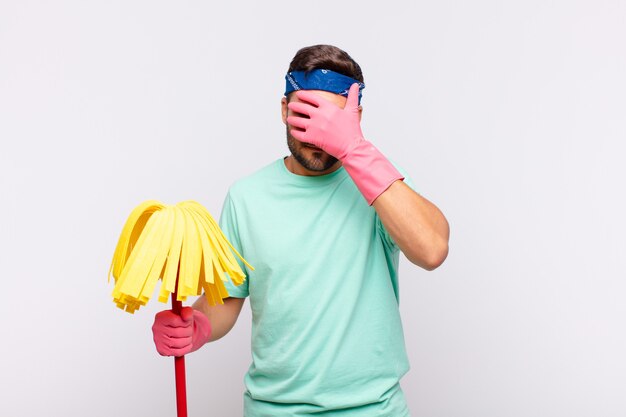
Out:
{"x": 283, "y": 109}
{"x": 360, "y": 112}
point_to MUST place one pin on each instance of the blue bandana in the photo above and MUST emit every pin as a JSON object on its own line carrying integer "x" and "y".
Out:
{"x": 321, "y": 79}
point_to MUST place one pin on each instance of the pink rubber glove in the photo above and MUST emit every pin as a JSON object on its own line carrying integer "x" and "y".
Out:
{"x": 337, "y": 131}
{"x": 176, "y": 335}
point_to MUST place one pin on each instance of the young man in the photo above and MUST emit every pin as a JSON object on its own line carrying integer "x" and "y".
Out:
{"x": 323, "y": 228}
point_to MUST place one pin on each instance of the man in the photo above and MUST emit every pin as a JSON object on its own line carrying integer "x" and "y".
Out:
{"x": 323, "y": 228}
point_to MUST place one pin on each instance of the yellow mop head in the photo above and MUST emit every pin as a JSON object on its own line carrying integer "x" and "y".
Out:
{"x": 172, "y": 242}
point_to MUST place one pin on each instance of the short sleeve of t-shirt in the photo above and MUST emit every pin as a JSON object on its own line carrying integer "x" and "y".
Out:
{"x": 228, "y": 224}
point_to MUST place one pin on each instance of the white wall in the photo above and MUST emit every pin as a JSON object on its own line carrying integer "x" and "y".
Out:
{"x": 508, "y": 115}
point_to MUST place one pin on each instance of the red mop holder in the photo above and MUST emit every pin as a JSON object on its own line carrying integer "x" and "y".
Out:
{"x": 179, "y": 367}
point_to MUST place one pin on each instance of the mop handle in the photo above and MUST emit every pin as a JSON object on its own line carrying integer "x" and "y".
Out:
{"x": 179, "y": 365}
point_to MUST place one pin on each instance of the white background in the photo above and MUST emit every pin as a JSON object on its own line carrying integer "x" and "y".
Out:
{"x": 509, "y": 115}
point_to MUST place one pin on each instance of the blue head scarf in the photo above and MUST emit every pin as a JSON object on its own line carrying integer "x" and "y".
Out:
{"x": 321, "y": 79}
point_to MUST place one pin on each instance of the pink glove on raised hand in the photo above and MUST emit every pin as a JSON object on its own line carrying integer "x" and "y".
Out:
{"x": 337, "y": 131}
{"x": 176, "y": 335}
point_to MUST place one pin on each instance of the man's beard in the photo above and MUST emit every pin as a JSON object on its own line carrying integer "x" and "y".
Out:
{"x": 316, "y": 163}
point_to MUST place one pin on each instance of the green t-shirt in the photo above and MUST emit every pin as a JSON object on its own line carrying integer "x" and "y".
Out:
{"x": 326, "y": 332}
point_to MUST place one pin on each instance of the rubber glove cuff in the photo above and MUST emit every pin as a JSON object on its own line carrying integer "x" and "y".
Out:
{"x": 201, "y": 330}
{"x": 370, "y": 170}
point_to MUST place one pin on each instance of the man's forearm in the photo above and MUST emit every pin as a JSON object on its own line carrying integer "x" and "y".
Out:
{"x": 416, "y": 225}
{"x": 221, "y": 316}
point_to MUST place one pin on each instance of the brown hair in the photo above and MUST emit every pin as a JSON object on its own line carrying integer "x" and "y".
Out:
{"x": 326, "y": 57}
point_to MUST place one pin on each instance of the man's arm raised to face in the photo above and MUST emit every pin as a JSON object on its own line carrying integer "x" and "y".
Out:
{"x": 416, "y": 225}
